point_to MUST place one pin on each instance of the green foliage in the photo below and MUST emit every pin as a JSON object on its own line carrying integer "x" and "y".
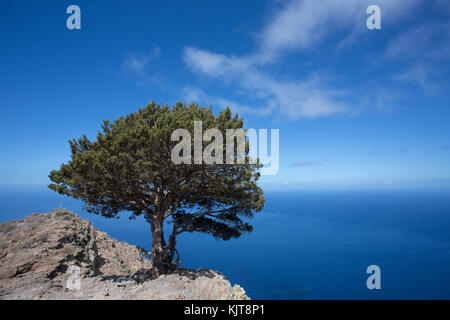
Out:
{"x": 129, "y": 168}
{"x": 62, "y": 212}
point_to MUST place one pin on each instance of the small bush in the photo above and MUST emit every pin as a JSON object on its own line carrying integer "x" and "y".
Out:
{"x": 62, "y": 212}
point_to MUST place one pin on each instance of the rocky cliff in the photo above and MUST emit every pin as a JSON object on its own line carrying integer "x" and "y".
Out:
{"x": 58, "y": 255}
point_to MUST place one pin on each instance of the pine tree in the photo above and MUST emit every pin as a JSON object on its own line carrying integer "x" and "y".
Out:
{"x": 129, "y": 169}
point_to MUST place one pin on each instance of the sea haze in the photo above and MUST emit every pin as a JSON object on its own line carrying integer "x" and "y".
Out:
{"x": 305, "y": 244}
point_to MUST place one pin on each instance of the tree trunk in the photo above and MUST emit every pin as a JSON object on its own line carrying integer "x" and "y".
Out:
{"x": 158, "y": 244}
{"x": 172, "y": 243}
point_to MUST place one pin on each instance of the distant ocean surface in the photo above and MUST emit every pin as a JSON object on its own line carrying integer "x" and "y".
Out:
{"x": 305, "y": 244}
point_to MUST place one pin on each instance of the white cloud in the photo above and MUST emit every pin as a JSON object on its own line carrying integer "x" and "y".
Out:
{"x": 306, "y": 98}
{"x": 298, "y": 25}
{"x": 426, "y": 41}
{"x": 301, "y": 24}
{"x": 137, "y": 63}
{"x": 199, "y": 96}
{"x": 422, "y": 49}
{"x": 420, "y": 74}
{"x": 411, "y": 44}
{"x": 212, "y": 64}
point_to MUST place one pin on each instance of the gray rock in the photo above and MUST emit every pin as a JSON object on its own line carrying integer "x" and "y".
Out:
{"x": 38, "y": 255}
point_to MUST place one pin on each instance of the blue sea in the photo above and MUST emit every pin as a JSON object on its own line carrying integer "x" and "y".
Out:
{"x": 305, "y": 244}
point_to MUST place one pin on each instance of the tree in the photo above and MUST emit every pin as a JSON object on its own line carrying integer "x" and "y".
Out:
{"x": 129, "y": 168}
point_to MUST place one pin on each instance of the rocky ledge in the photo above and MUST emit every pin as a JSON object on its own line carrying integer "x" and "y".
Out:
{"x": 58, "y": 255}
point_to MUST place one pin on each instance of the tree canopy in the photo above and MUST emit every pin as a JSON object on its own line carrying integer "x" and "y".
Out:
{"x": 129, "y": 168}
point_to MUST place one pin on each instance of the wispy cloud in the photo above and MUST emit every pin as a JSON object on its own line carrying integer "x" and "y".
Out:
{"x": 138, "y": 63}
{"x": 443, "y": 5}
{"x": 307, "y": 164}
{"x": 422, "y": 50}
{"x": 304, "y": 98}
{"x": 302, "y": 24}
{"x": 421, "y": 74}
{"x": 191, "y": 94}
{"x": 298, "y": 25}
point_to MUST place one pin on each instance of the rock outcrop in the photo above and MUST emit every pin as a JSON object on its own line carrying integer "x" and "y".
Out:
{"x": 58, "y": 255}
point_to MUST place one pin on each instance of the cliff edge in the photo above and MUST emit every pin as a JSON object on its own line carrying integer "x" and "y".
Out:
{"x": 58, "y": 255}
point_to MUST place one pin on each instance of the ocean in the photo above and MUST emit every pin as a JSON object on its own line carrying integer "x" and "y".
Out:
{"x": 305, "y": 244}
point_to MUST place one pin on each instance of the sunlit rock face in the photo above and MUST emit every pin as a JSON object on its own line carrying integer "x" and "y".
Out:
{"x": 58, "y": 255}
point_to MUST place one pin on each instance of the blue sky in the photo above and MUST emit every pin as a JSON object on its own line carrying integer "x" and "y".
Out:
{"x": 356, "y": 108}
